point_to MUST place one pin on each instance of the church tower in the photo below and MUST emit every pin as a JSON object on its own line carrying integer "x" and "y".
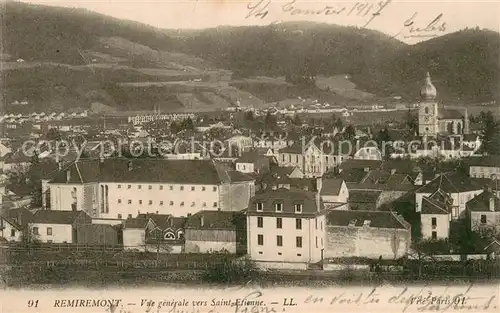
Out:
{"x": 428, "y": 109}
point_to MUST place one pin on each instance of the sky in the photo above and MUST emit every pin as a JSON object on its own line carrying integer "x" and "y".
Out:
{"x": 406, "y": 20}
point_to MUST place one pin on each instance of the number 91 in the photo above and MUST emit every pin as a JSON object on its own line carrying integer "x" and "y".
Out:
{"x": 32, "y": 303}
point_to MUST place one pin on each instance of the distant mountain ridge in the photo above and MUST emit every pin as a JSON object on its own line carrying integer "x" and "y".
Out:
{"x": 60, "y": 58}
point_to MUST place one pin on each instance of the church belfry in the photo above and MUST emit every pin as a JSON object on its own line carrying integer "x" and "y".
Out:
{"x": 428, "y": 109}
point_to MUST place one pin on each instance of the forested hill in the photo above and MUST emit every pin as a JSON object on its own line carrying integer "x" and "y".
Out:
{"x": 74, "y": 57}
{"x": 464, "y": 65}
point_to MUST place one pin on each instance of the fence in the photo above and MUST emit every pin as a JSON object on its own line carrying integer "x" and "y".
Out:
{"x": 121, "y": 264}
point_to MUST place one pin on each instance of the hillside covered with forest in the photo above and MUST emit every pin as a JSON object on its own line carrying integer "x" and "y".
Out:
{"x": 61, "y": 59}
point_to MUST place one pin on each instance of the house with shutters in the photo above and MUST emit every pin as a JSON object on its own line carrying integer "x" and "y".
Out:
{"x": 14, "y": 224}
{"x": 286, "y": 228}
{"x": 436, "y": 215}
{"x": 57, "y": 226}
{"x": 484, "y": 213}
{"x": 458, "y": 186}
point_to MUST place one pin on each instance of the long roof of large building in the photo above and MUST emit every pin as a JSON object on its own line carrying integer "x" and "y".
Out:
{"x": 203, "y": 172}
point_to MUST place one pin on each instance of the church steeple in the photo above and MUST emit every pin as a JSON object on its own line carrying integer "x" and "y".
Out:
{"x": 428, "y": 92}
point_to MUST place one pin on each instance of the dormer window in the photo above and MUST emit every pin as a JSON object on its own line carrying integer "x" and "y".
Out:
{"x": 298, "y": 208}
{"x": 352, "y": 223}
{"x": 169, "y": 236}
{"x": 259, "y": 206}
{"x": 278, "y": 207}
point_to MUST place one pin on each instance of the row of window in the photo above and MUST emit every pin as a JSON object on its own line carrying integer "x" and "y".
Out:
{"x": 35, "y": 231}
{"x": 279, "y": 223}
{"x": 150, "y": 187}
{"x": 171, "y": 203}
{"x": 313, "y": 159}
{"x": 278, "y": 207}
{"x": 279, "y": 241}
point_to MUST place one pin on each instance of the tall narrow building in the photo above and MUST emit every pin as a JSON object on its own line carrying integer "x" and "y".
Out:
{"x": 428, "y": 124}
{"x": 466, "y": 122}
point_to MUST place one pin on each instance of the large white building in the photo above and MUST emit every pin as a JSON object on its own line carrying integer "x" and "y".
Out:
{"x": 286, "y": 228}
{"x": 119, "y": 188}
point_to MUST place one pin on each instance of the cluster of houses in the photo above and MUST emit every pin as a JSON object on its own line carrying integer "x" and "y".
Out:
{"x": 285, "y": 200}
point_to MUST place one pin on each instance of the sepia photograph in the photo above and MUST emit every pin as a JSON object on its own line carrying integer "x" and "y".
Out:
{"x": 249, "y": 156}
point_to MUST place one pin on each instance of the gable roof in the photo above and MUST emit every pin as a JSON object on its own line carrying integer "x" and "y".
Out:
{"x": 164, "y": 221}
{"x": 450, "y": 182}
{"x": 364, "y": 196}
{"x": 481, "y": 202}
{"x": 378, "y": 219}
{"x": 19, "y": 217}
{"x": 134, "y": 222}
{"x": 486, "y": 161}
{"x": 433, "y": 206}
{"x": 216, "y": 220}
{"x": 56, "y": 217}
{"x": 252, "y": 157}
{"x": 353, "y": 175}
{"x": 331, "y": 186}
{"x": 450, "y": 114}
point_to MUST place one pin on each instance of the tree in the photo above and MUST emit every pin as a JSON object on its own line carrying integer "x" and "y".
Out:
{"x": 297, "y": 121}
{"x": 338, "y": 123}
{"x": 174, "y": 127}
{"x": 35, "y": 181}
{"x": 411, "y": 122}
{"x": 187, "y": 124}
{"x": 53, "y": 134}
{"x": 249, "y": 116}
{"x": 229, "y": 271}
{"x": 350, "y": 132}
{"x": 270, "y": 121}
{"x": 383, "y": 139}
{"x": 490, "y": 134}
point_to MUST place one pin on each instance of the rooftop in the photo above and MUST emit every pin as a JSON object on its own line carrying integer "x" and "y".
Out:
{"x": 481, "y": 202}
{"x": 358, "y": 218}
{"x": 450, "y": 182}
{"x": 216, "y": 220}
{"x": 56, "y": 217}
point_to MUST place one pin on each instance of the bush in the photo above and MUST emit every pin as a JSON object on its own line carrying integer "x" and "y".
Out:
{"x": 231, "y": 271}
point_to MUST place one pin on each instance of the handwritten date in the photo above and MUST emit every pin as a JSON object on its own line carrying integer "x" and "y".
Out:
{"x": 262, "y": 9}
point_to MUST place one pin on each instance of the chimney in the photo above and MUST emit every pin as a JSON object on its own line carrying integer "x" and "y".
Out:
{"x": 130, "y": 167}
{"x": 68, "y": 176}
{"x": 60, "y": 165}
{"x": 202, "y": 222}
{"x": 367, "y": 169}
{"x": 492, "y": 203}
{"x": 171, "y": 221}
{"x": 393, "y": 171}
{"x": 319, "y": 184}
{"x": 20, "y": 218}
